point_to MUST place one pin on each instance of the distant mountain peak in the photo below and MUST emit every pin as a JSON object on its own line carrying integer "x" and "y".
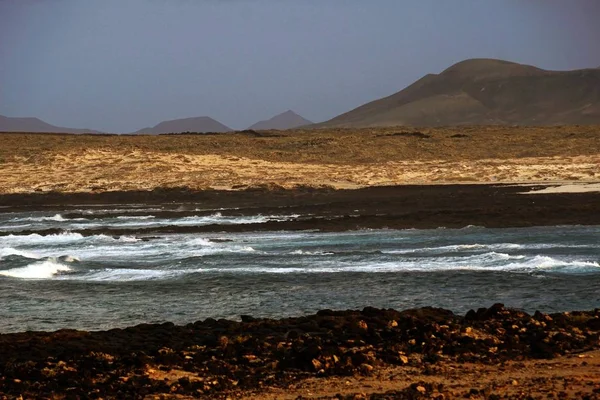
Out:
{"x": 485, "y": 92}
{"x": 191, "y": 124}
{"x": 483, "y": 68}
{"x": 32, "y": 124}
{"x": 286, "y": 120}
{"x": 481, "y": 63}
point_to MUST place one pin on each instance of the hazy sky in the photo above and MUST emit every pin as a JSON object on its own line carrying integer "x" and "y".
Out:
{"x": 120, "y": 65}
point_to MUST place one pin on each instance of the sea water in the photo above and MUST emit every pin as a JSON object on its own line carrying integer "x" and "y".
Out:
{"x": 76, "y": 279}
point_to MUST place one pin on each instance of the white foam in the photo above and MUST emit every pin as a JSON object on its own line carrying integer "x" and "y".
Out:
{"x": 53, "y": 218}
{"x": 505, "y": 256}
{"x": 140, "y": 217}
{"x": 117, "y": 210}
{"x": 69, "y": 259}
{"x": 542, "y": 246}
{"x": 39, "y": 270}
{"x": 128, "y": 239}
{"x": 199, "y": 247}
{"x": 35, "y": 238}
{"x": 538, "y": 263}
{"x": 470, "y": 246}
{"x": 219, "y": 219}
{"x": 456, "y": 248}
{"x": 209, "y": 251}
{"x": 141, "y": 221}
{"x": 13, "y": 227}
{"x": 128, "y": 275}
{"x": 9, "y": 251}
{"x": 201, "y": 242}
{"x": 56, "y": 218}
{"x": 545, "y": 263}
{"x": 48, "y": 269}
{"x": 150, "y": 221}
{"x": 66, "y": 238}
{"x": 311, "y": 253}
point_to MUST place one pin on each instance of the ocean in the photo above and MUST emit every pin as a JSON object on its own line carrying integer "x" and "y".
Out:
{"x": 65, "y": 268}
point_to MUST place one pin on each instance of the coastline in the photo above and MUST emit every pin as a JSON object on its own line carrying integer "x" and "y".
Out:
{"x": 372, "y": 353}
{"x": 326, "y": 209}
{"x": 339, "y": 181}
{"x": 377, "y": 354}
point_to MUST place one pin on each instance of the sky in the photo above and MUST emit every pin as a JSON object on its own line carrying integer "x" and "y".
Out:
{"x": 118, "y": 66}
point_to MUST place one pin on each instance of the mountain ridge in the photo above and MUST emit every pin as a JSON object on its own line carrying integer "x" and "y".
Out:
{"x": 32, "y": 124}
{"x": 286, "y": 120}
{"x": 484, "y": 92}
{"x": 192, "y": 124}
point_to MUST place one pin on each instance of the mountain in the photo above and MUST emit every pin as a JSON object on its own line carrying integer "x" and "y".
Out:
{"x": 195, "y": 124}
{"x": 286, "y": 120}
{"x": 11, "y": 124}
{"x": 483, "y": 92}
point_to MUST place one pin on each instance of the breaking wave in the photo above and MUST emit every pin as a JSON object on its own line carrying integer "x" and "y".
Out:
{"x": 53, "y": 218}
{"x": 9, "y": 251}
{"x": 39, "y": 270}
{"x": 537, "y": 264}
{"x": 127, "y": 275}
{"x": 65, "y": 238}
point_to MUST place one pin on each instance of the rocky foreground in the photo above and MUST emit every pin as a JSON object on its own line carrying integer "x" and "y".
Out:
{"x": 253, "y": 357}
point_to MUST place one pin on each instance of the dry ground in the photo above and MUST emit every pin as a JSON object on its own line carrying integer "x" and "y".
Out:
{"x": 330, "y": 157}
{"x": 568, "y": 377}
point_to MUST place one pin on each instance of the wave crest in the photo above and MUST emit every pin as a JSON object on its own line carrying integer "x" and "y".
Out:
{"x": 9, "y": 251}
{"x": 39, "y": 270}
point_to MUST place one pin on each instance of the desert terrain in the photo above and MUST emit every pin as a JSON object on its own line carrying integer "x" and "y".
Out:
{"x": 335, "y": 158}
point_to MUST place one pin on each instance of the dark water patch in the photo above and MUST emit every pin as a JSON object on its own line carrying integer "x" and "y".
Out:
{"x": 403, "y": 206}
{"x": 104, "y": 304}
{"x": 94, "y": 280}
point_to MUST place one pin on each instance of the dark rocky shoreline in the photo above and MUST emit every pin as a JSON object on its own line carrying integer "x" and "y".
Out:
{"x": 394, "y": 207}
{"x": 221, "y": 358}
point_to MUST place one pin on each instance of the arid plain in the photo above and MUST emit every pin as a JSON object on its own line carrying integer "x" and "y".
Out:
{"x": 337, "y": 158}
